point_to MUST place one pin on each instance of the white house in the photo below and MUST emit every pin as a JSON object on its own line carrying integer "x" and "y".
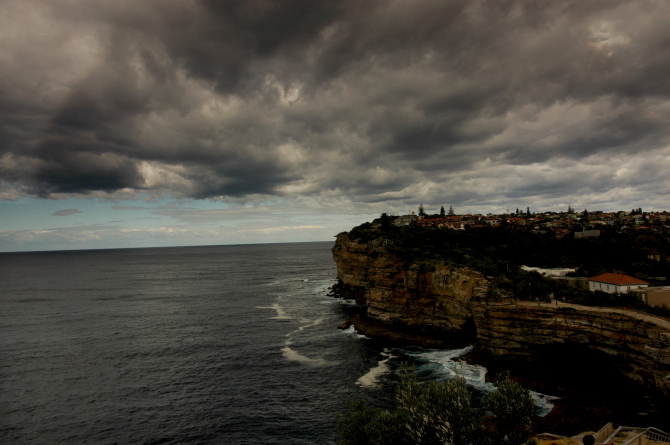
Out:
{"x": 549, "y": 272}
{"x": 405, "y": 220}
{"x": 614, "y": 282}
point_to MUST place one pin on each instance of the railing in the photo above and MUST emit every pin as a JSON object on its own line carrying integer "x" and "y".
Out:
{"x": 652, "y": 435}
{"x": 604, "y": 433}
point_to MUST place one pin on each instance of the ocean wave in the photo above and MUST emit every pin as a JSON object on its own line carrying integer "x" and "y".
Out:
{"x": 351, "y": 330}
{"x": 543, "y": 403}
{"x": 475, "y": 375}
{"x": 309, "y": 324}
{"x": 294, "y": 356}
{"x": 281, "y": 313}
{"x": 344, "y": 302}
{"x": 371, "y": 379}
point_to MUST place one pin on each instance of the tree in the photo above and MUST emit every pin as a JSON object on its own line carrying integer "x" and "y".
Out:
{"x": 512, "y": 406}
{"x": 570, "y": 209}
{"x": 442, "y": 211}
{"x": 421, "y": 212}
{"x": 437, "y": 413}
{"x": 528, "y": 212}
{"x": 385, "y": 221}
{"x": 451, "y": 211}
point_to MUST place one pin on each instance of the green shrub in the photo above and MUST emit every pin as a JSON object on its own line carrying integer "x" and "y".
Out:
{"x": 435, "y": 413}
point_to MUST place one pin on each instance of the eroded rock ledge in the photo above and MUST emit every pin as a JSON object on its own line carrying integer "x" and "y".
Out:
{"x": 438, "y": 305}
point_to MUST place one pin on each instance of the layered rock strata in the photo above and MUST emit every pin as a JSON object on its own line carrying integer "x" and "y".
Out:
{"x": 430, "y": 302}
{"x": 443, "y": 305}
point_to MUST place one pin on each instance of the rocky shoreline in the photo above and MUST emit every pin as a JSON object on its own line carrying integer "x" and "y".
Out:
{"x": 606, "y": 367}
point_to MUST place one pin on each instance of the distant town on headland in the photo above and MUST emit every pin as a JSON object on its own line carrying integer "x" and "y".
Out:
{"x": 580, "y": 224}
{"x": 621, "y": 252}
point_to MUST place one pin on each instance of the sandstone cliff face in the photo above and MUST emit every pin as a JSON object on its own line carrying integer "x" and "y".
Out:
{"x": 638, "y": 349}
{"x": 435, "y": 299}
{"x": 443, "y": 302}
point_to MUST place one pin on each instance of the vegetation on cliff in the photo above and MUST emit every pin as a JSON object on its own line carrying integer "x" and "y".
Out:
{"x": 437, "y": 413}
{"x": 495, "y": 250}
{"x": 427, "y": 284}
{"x": 498, "y": 252}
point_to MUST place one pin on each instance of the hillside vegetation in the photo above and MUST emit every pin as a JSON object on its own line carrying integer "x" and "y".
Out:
{"x": 498, "y": 252}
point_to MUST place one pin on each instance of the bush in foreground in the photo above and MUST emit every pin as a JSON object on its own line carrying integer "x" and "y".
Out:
{"x": 441, "y": 414}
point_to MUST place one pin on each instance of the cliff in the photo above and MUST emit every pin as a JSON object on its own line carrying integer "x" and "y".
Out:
{"x": 423, "y": 302}
{"x": 433, "y": 303}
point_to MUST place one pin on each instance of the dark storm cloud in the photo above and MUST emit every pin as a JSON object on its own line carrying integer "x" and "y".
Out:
{"x": 379, "y": 101}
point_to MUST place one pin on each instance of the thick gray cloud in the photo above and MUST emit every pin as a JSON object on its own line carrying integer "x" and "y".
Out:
{"x": 461, "y": 102}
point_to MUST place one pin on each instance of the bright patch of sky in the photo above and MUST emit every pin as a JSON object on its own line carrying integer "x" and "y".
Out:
{"x": 34, "y": 224}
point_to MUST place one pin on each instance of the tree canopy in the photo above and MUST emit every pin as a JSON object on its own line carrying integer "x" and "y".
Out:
{"x": 441, "y": 414}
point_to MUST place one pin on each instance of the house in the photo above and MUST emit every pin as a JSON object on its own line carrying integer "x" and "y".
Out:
{"x": 405, "y": 220}
{"x": 456, "y": 225}
{"x": 431, "y": 222}
{"x": 549, "y": 272}
{"x": 654, "y": 296}
{"x": 614, "y": 282}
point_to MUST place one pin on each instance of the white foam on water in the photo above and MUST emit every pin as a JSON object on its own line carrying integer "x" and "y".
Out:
{"x": 543, "y": 402}
{"x": 281, "y": 314}
{"x": 310, "y": 324}
{"x": 370, "y": 379}
{"x": 475, "y": 375}
{"x": 295, "y": 356}
{"x": 351, "y": 330}
{"x": 344, "y": 302}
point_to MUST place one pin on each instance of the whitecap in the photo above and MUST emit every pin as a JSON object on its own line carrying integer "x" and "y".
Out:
{"x": 344, "y": 302}
{"x": 370, "y": 379}
{"x": 294, "y": 356}
{"x": 281, "y": 314}
{"x": 314, "y": 323}
{"x": 475, "y": 375}
{"x": 543, "y": 402}
{"x": 351, "y": 330}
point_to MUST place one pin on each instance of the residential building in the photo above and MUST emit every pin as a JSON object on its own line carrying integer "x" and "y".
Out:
{"x": 654, "y": 296}
{"x": 556, "y": 272}
{"x": 405, "y": 220}
{"x": 614, "y": 282}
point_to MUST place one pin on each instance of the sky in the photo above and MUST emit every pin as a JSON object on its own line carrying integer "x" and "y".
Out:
{"x": 136, "y": 123}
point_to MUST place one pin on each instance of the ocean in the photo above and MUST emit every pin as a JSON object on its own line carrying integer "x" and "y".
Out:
{"x": 189, "y": 345}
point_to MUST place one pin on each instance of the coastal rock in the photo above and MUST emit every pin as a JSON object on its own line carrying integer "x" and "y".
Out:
{"x": 435, "y": 304}
{"x": 429, "y": 298}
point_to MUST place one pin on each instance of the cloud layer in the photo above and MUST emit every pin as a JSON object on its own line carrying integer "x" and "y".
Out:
{"x": 382, "y": 103}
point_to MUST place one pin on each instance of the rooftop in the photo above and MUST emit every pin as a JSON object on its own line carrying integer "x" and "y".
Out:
{"x": 615, "y": 278}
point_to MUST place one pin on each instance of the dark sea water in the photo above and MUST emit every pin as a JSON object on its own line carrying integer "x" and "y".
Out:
{"x": 230, "y": 344}
{"x": 188, "y": 345}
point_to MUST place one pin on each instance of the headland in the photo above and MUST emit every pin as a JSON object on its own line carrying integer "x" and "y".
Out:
{"x": 447, "y": 288}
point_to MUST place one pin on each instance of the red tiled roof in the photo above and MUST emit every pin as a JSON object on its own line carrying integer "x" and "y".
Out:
{"x": 616, "y": 278}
